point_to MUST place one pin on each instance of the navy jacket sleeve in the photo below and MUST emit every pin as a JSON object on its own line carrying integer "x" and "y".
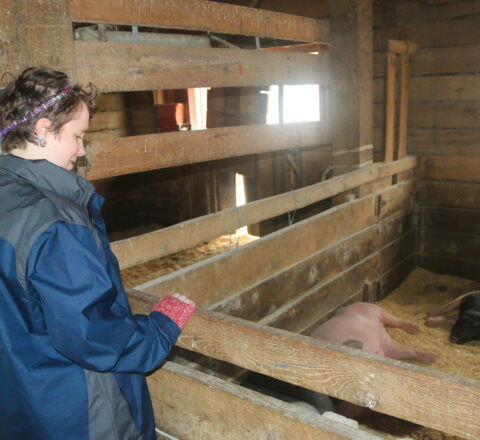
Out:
{"x": 86, "y": 312}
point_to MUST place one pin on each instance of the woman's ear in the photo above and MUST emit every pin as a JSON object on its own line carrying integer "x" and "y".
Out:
{"x": 42, "y": 126}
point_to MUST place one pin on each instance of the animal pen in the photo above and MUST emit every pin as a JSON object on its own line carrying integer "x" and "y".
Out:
{"x": 256, "y": 303}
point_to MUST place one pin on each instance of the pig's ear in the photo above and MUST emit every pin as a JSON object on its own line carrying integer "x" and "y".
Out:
{"x": 353, "y": 343}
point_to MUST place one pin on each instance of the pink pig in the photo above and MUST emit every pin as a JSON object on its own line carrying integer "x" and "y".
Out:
{"x": 362, "y": 325}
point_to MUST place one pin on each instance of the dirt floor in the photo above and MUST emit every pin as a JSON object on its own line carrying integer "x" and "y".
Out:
{"x": 420, "y": 292}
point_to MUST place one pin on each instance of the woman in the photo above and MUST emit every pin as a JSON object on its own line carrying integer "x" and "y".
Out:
{"x": 72, "y": 355}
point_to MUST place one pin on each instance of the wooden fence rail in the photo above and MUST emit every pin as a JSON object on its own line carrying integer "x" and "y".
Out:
{"x": 427, "y": 397}
{"x": 201, "y": 15}
{"x": 146, "y": 247}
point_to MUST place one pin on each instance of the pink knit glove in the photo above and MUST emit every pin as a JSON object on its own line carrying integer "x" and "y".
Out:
{"x": 177, "y": 310}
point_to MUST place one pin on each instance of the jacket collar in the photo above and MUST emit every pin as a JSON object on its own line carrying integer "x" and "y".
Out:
{"x": 48, "y": 176}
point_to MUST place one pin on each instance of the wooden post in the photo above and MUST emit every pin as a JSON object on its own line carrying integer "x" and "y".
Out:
{"x": 390, "y": 106}
{"x": 35, "y": 34}
{"x": 351, "y": 75}
{"x": 403, "y": 111}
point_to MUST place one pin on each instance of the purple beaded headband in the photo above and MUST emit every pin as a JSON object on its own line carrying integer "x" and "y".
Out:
{"x": 64, "y": 92}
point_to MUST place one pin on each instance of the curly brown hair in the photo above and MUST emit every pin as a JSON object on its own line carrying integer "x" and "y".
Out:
{"x": 34, "y": 87}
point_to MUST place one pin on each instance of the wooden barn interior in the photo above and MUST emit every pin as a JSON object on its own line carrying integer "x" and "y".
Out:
{"x": 344, "y": 197}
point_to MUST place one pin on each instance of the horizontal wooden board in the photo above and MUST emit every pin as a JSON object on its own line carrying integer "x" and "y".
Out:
{"x": 435, "y": 88}
{"x": 258, "y": 301}
{"x": 396, "y": 225}
{"x": 395, "y": 276}
{"x": 438, "y": 60}
{"x": 232, "y": 412}
{"x": 305, "y": 311}
{"x": 117, "y": 67}
{"x": 458, "y": 267}
{"x": 219, "y": 277}
{"x": 396, "y": 251}
{"x": 201, "y": 15}
{"x": 165, "y": 241}
{"x": 466, "y": 221}
{"x": 456, "y": 168}
{"x": 440, "y": 141}
{"x": 426, "y": 397}
{"x": 454, "y": 32}
{"x": 396, "y": 198}
{"x": 453, "y": 244}
{"x": 436, "y": 10}
{"x": 450, "y": 194}
{"x": 164, "y": 150}
{"x": 451, "y": 114}
{"x": 108, "y": 120}
{"x": 91, "y": 136}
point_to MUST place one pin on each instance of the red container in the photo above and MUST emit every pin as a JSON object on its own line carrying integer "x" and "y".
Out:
{"x": 169, "y": 116}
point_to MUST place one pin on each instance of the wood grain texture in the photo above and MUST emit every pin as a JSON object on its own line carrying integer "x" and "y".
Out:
{"x": 231, "y": 412}
{"x": 444, "y": 141}
{"x": 391, "y": 62}
{"x": 458, "y": 267}
{"x": 165, "y": 241}
{"x": 206, "y": 282}
{"x": 436, "y": 88}
{"x": 453, "y": 168}
{"x": 439, "y": 60}
{"x": 430, "y": 398}
{"x": 35, "y": 34}
{"x": 201, "y": 15}
{"x": 454, "y": 32}
{"x": 119, "y": 67}
{"x": 258, "y": 301}
{"x": 149, "y": 152}
{"x": 466, "y": 221}
{"x": 309, "y": 309}
{"x": 449, "y": 194}
{"x": 351, "y": 78}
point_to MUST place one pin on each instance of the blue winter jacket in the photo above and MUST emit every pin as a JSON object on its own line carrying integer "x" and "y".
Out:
{"x": 72, "y": 355}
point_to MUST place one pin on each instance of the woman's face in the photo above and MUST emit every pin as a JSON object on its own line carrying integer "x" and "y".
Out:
{"x": 64, "y": 147}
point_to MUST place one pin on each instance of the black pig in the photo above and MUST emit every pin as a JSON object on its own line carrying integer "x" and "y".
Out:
{"x": 467, "y": 325}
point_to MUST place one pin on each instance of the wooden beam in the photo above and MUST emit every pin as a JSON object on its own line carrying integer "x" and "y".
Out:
{"x": 437, "y": 88}
{"x": 452, "y": 244}
{"x": 119, "y": 67}
{"x": 466, "y": 221}
{"x": 202, "y": 15}
{"x": 351, "y": 80}
{"x": 35, "y": 34}
{"x": 463, "y": 169}
{"x": 403, "y": 110}
{"x": 453, "y": 194}
{"x": 306, "y": 47}
{"x": 391, "y": 60}
{"x": 427, "y": 397}
{"x": 396, "y": 275}
{"x": 229, "y": 411}
{"x": 453, "y": 266}
{"x": 439, "y": 60}
{"x": 114, "y": 157}
{"x": 308, "y": 309}
{"x": 206, "y": 282}
{"x": 401, "y": 47}
{"x": 146, "y": 247}
{"x": 441, "y": 33}
{"x": 256, "y": 302}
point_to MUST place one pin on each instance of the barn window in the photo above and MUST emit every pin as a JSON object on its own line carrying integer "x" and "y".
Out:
{"x": 293, "y": 103}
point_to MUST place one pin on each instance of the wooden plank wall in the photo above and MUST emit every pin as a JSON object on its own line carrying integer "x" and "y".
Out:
{"x": 444, "y": 99}
{"x": 443, "y": 127}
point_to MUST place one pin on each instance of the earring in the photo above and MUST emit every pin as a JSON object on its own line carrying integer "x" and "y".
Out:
{"x": 41, "y": 141}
